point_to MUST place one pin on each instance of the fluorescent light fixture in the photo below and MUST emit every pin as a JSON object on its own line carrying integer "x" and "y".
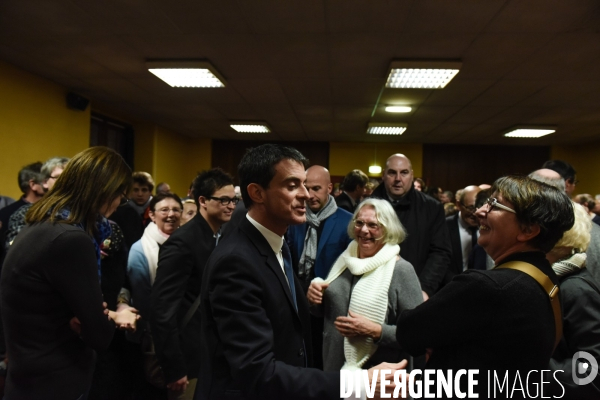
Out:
{"x": 374, "y": 169}
{"x": 421, "y": 74}
{"x": 253, "y": 127}
{"x": 186, "y": 73}
{"x": 386, "y": 129}
{"x": 398, "y": 109}
{"x": 529, "y": 132}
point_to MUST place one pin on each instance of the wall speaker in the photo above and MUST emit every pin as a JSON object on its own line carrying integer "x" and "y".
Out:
{"x": 77, "y": 102}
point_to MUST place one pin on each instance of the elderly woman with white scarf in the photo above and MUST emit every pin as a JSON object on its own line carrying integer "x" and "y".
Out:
{"x": 165, "y": 213}
{"x": 367, "y": 288}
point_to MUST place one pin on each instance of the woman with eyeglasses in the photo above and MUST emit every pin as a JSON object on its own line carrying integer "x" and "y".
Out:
{"x": 52, "y": 304}
{"x": 165, "y": 214}
{"x": 500, "y": 321}
{"x": 367, "y": 288}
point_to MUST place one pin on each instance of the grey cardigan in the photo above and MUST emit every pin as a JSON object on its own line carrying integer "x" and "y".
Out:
{"x": 405, "y": 293}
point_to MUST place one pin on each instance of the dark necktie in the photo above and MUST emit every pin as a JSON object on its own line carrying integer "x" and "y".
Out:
{"x": 287, "y": 267}
{"x": 473, "y": 230}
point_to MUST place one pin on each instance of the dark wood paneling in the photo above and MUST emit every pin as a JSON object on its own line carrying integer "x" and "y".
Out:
{"x": 453, "y": 167}
{"x": 228, "y": 153}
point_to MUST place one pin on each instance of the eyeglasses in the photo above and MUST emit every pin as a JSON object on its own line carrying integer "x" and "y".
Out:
{"x": 471, "y": 209}
{"x": 573, "y": 181}
{"x": 166, "y": 210}
{"x": 226, "y": 200}
{"x": 372, "y": 226}
{"x": 493, "y": 202}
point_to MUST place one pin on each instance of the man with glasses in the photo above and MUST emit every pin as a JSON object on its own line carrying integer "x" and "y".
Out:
{"x": 178, "y": 279}
{"x": 463, "y": 232}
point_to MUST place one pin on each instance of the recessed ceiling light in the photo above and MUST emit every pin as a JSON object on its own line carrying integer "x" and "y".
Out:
{"x": 374, "y": 169}
{"x": 398, "y": 109}
{"x": 529, "y": 133}
{"x": 250, "y": 128}
{"x": 386, "y": 129}
{"x": 186, "y": 73}
{"x": 421, "y": 74}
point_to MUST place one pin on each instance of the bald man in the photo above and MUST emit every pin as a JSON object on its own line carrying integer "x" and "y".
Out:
{"x": 462, "y": 228}
{"x": 427, "y": 246}
{"x": 317, "y": 243}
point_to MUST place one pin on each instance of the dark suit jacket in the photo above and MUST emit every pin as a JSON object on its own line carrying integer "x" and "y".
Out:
{"x": 456, "y": 261}
{"x": 178, "y": 278}
{"x": 344, "y": 202}
{"x": 253, "y": 340}
{"x": 333, "y": 240}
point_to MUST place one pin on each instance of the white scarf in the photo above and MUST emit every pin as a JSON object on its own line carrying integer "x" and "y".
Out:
{"x": 369, "y": 297}
{"x": 151, "y": 241}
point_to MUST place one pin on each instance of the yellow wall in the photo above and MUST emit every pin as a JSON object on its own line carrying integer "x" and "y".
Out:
{"x": 344, "y": 157}
{"x": 586, "y": 161}
{"x": 35, "y": 124}
{"x": 178, "y": 159}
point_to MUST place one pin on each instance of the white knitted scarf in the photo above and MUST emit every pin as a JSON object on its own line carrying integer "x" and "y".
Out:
{"x": 369, "y": 297}
{"x": 151, "y": 241}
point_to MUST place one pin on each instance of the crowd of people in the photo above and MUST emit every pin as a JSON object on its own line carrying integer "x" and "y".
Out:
{"x": 113, "y": 287}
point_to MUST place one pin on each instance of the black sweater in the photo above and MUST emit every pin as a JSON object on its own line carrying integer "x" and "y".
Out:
{"x": 50, "y": 275}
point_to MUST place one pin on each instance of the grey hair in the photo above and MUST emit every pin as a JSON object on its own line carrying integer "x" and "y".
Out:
{"x": 393, "y": 231}
{"x": 558, "y": 183}
{"x": 52, "y": 163}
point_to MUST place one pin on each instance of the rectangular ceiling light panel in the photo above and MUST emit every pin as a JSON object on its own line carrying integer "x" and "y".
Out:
{"x": 198, "y": 74}
{"x": 386, "y": 129}
{"x": 421, "y": 74}
{"x": 529, "y": 133}
{"x": 251, "y": 128}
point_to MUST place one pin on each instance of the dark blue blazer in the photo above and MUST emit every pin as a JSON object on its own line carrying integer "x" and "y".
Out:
{"x": 332, "y": 241}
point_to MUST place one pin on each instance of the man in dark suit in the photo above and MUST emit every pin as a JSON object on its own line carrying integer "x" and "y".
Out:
{"x": 463, "y": 232}
{"x": 178, "y": 279}
{"x": 317, "y": 243}
{"x": 255, "y": 334}
{"x": 353, "y": 187}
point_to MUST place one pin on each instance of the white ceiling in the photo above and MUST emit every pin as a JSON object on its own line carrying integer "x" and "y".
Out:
{"x": 315, "y": 69}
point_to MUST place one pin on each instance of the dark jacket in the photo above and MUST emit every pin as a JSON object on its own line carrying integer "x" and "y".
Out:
{"x": 580, "y": 296}
{"x": 254, "y": 342}
{"x": 344, "y": 202}
{"x": 50, "y": 276}
{"x": 427, "y": 245}
{"x": 181, "y": 263}
{"x": 499, "y": 320}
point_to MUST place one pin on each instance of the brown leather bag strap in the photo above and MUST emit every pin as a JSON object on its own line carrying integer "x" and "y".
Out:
{"x": 548, "y": 286}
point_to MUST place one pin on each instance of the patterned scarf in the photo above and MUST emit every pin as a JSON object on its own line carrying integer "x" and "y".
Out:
{"x": 309, "y": 253}
{"x": 569, "y": 265}
{"x": 103, "y": 231}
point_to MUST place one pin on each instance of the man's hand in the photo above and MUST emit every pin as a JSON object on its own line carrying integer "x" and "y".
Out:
{"x": 315, "y": 292}
{"x": 75, "y": 325}
{"x": 389, "y": 388}
{"x": 125, "y": 318}
{"x": 425, "y": 296}
{"x": 179, "y": 385}
{"x": 357, "y": 325}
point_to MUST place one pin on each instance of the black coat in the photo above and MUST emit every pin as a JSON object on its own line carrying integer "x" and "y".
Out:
{"x": 344, "y": 202}
{"x": 177, "y": 285}
{"x": 427, "y": 245}
{"x": 499, "y": 320}
{"x": 253, "y": 340}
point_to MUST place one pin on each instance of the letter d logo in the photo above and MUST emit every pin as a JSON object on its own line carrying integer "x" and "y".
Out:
{"x": 581, "y": 367}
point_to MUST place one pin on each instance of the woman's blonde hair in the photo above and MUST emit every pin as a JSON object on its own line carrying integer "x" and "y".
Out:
{"x": 578, "y": 237}
{"x": 393, "y": 231}
{"x": 91, "y": 180}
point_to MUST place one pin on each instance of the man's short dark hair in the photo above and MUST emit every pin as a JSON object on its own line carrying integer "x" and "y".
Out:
{"x": 354, "y": 178}
{"x": 30, "y": 172}
{"x": 208, "y": 182}
{"x": 563, "y": 168}
{"x": 258, "y": 166}
{"x": 143, "y": 179}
